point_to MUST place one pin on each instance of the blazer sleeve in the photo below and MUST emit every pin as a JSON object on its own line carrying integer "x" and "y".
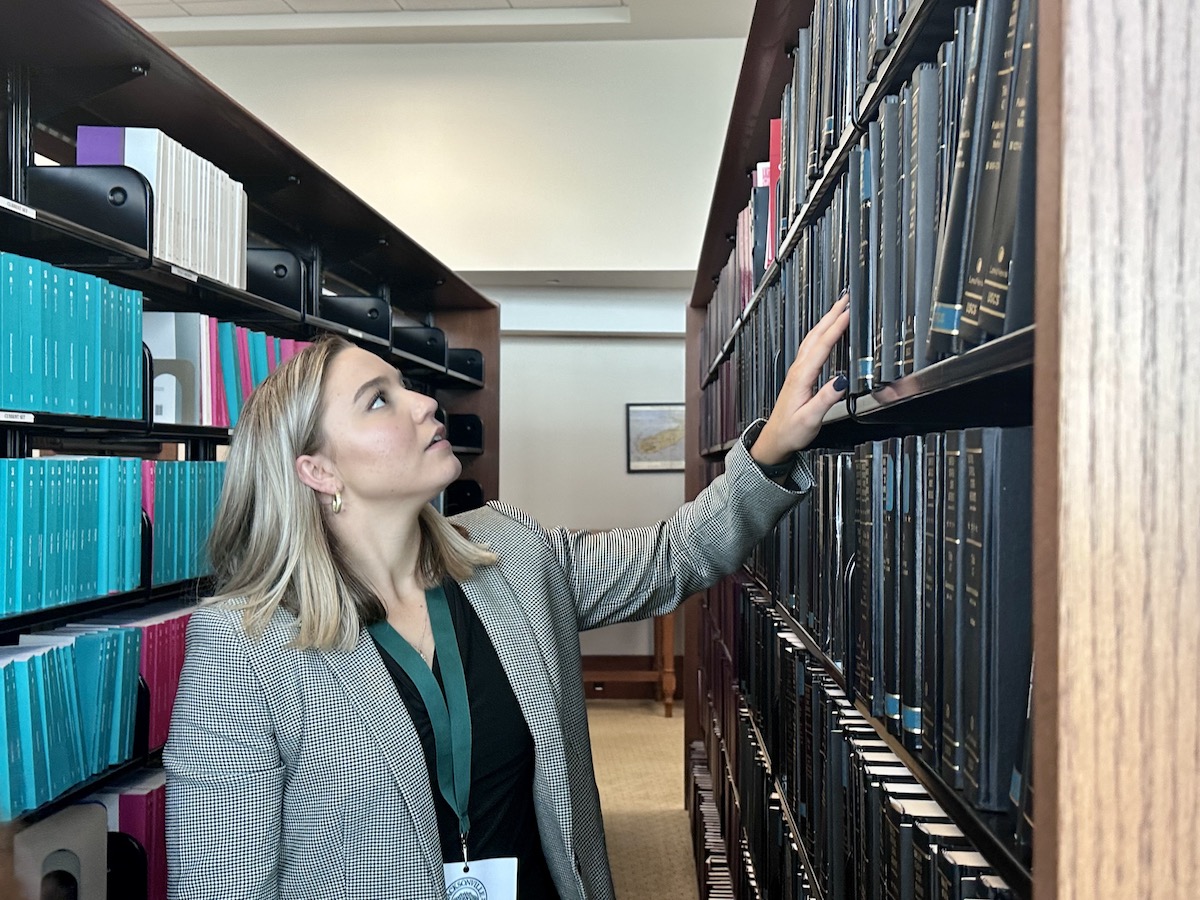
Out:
{"x": 636, "y": 573}
{"x": 224, "y": 771}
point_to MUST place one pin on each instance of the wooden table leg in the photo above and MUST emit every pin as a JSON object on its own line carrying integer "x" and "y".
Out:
{"x": 664, "y": 645}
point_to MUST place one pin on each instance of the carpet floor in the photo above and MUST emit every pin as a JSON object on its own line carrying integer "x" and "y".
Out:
{"x": 639, "y": 757}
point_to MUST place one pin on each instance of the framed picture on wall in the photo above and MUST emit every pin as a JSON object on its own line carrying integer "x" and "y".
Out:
{"x": 654, "y": 437}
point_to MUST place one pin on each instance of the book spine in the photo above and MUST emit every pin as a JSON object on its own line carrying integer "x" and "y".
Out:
{"x": 932, "y": 549}
{"x": 912, "y": 507}
{"x": 888, "y": 556}
{"x": 995, "y": 91}
{"x": 954, "y": 504}
{"x": 1006, "y": 608}
{"x": 864, "y": 639}
{"x": 1005, "y": 266}
{"x": 972, "y": 727}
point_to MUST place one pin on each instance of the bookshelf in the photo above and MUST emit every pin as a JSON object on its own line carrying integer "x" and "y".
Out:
{"x": 1101, "y": 377}
{"x": 68, "y": 63}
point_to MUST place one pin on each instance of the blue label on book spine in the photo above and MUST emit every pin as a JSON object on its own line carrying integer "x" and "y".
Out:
{"x": 945, "y": 318}
{"x": 866, "y": 367}
{"x": 891, "y": 706}
{"x": 912, "y": 719}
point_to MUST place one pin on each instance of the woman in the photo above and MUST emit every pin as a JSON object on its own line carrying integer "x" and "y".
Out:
{"x": 380, "y": 702}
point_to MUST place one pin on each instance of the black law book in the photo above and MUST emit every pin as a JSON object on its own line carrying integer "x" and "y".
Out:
{"x": 862, "y": 62}
{"x": 1008, "y": 287}
{"x": 1021, "y": 792}
{"x": 912, "y": 583}
{"x": 829, "y": 132}
{"x": 995, "y": 90}
{"x": 889, "y": 792}
{"x": 908, "y": 235}
{"x": 957, "y": 873}
{"x": 873, "y": 248}
{"x": 899, "y": 819}
{"x": 954, "y": 504}
{"x": 842, "y": 616}
{"x": 823, "y": 549}
{"x": 855, "y": 281}
{"x": 970, "y": 611}
{"x": 953, "y": 244}
{"x": 887, "y": 287}
{"x": 933, "y": 553}
{"x": 815, "y": 122}
{"x": 923, "y": 186}
{"x": 993, "y": 887}
{"x": 1004, "y": 457}
{"x": 862, "y": 371}
{"x": 868, "y": 685}
{"x": 887, "y": 555}
{"x": 870, "y": 800}
{"x": 801, "y": 558}
{"x": 801, "y": 97}
{"x": 759, "y": 198}
{"x": 928, "y": 839}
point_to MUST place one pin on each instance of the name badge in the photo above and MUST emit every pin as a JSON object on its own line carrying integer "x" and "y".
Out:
{"x": 482, "y": 879}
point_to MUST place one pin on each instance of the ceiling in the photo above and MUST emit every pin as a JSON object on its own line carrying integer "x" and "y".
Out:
{"x": 258, "y": 22}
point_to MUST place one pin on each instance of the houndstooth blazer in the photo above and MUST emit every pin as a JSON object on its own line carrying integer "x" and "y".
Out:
{"x": 298, "y": 773}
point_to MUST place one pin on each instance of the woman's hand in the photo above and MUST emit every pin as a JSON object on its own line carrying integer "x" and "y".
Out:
{"x": 798, "y": 412}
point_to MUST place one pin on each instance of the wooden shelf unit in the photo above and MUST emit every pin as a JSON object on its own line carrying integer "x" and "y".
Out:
{"x": 67, "y": 63}
{"x": 1116, "y": 612}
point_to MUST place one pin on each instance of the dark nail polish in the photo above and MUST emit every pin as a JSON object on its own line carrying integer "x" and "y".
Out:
{"x": 840, "y": 383}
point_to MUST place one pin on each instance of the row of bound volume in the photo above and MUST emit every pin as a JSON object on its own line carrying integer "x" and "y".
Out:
{"x": 205, "y": 369}
{"x": 929, "y": 228}
{"x": 910, "y": 565}
{"x": 870, "y": 830}
{"x": 70, "y": 699}
{"x": 72, "y": 530}
{"x": 71, "y": 342}
{"x": 199, "y": 212}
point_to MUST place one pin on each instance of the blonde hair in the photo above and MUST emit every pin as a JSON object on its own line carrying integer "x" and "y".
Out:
{"x": 270, "y": 544}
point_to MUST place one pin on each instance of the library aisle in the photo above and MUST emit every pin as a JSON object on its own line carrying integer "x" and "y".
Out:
{"x": 639, "y": 770}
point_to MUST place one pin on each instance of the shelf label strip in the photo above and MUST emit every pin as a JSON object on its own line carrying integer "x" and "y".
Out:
{"x": 19, "y": 208}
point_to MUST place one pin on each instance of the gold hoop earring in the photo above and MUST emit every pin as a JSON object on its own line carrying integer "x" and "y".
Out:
{"x": 336, "y": 505}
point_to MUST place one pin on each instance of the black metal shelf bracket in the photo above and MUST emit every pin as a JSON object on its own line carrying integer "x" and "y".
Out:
{"x": 112, "y": 200}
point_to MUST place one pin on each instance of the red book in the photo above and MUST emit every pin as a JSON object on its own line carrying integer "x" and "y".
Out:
{"x": 776, "y": 156}
{"x": 245, "y": 377}
{"x": 220, "y": 402}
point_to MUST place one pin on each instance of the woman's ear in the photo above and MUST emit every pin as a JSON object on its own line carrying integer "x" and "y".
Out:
{"x": 317, "y": 472}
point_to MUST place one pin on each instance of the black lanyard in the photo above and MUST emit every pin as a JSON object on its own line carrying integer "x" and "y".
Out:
{"x": 449, "y": 714}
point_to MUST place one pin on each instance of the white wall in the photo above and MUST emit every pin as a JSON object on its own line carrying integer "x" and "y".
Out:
{"x": 547, "y": 157}
{"x": 542, "y": 156}
{"x": 562, "y": 433}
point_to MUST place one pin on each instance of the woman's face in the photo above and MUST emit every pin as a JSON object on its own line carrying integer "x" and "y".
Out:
{"x": 383, "y": 439}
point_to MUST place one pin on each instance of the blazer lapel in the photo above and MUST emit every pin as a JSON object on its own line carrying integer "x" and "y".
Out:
{"x": 370, "y": 688}
{"x": 537, "y": 692}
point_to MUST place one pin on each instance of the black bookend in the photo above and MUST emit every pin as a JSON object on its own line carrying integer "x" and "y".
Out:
{"x": 465, "y": 431}
{"x": 466, "y": 362}
{"x": 365, "y": 314}
{"x": 276, "y": 275}
{"x": 461, "y": 496}
{"x": 426, "y": 342}
{"x": 127, "y": 867}
{"x": 113, "y": 200}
